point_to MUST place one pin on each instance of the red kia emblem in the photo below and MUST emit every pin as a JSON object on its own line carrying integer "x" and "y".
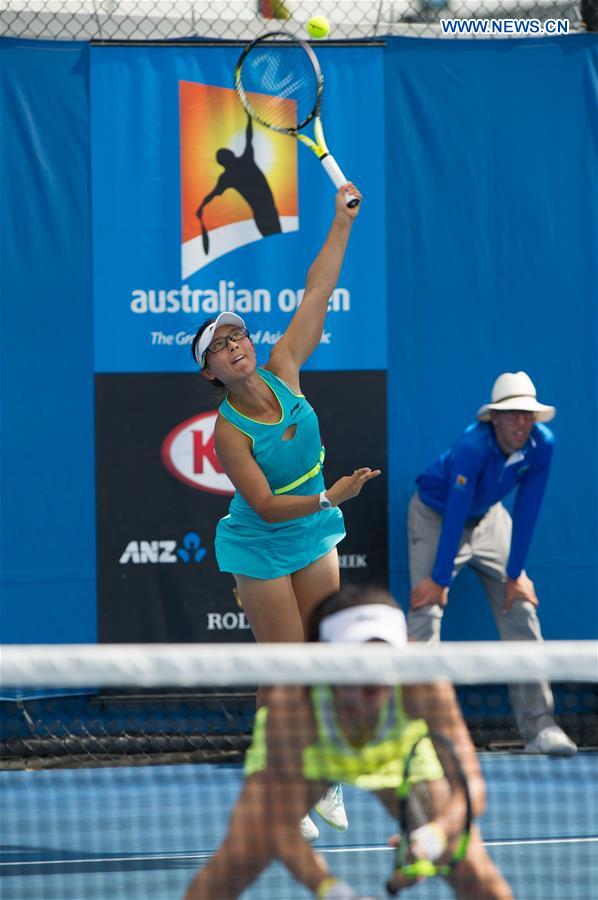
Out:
{"x": 189, "y": 454}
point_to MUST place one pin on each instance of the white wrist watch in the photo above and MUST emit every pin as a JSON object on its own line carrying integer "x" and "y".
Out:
{"x": 324, "y": 501}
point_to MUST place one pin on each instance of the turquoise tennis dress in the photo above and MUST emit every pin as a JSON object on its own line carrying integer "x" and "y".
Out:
{"x": 245, "y": 543}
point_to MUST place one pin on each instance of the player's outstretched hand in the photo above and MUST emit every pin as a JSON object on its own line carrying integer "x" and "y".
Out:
{"x": 350, "y": 485}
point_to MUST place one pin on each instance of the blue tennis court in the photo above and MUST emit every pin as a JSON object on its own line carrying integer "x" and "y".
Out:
{"x": 141, "y": 832}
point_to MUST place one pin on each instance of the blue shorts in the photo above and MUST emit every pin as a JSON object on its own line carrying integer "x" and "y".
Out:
{"x": 270, "y": 551}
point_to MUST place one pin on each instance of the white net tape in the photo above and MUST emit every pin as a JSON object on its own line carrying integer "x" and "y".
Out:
{"x": 188, "y": 665}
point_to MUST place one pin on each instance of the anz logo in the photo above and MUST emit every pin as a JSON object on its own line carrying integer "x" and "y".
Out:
{"x": 189, "y": 550}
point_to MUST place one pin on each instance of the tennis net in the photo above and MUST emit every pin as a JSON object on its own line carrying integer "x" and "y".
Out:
{"x": 120, "y": 765}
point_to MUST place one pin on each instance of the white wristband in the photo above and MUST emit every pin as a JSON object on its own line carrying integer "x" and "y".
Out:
{"x": 428, "y": 842}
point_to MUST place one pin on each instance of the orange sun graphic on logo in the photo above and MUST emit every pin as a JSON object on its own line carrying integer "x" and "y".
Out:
{"x": 238, "y": 179}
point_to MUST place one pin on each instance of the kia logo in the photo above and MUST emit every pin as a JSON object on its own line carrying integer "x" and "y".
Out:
{"x": 189, "y": 454}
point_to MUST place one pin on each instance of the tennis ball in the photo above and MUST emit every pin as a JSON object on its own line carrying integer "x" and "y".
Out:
{"x": 318, "y": 27}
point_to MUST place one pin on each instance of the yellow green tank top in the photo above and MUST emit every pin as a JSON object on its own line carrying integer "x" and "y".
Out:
{"x": 377, "y": 765}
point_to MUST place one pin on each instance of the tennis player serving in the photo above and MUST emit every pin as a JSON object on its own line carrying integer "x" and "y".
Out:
{"x": 279, "y": 538}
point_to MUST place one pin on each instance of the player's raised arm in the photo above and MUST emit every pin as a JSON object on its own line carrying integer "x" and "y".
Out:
{"x": 305, "y": 330}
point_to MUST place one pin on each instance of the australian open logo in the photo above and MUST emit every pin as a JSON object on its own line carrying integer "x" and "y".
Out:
{"x": 238, "y": 179}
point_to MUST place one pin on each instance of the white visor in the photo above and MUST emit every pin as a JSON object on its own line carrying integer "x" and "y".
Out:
{"x": 225, "y": 318}
{"x": 359, "y": 624}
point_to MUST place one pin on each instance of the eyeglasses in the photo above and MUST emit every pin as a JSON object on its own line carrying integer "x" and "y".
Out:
{"x": 513, "y": 414}
{"x": 236, "y": 335}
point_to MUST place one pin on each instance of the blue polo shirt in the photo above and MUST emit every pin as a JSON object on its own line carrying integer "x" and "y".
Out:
{"x": 472, "y": 476}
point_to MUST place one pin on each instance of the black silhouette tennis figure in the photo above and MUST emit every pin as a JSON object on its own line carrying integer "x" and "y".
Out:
{"x": 242, "y": 174}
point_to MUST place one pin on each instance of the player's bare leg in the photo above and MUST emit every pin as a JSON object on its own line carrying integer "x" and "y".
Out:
{"x": 264, "y": 826}
{"x": 477, "y": 878}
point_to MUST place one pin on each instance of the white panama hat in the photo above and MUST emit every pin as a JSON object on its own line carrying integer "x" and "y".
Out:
{"x": 225, "y": 318}
{"x": 515, "y": 390}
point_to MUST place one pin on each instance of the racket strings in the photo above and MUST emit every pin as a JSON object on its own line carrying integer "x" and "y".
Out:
{"x": 280, "y": 84}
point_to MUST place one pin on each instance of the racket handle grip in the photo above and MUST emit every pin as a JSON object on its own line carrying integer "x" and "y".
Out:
{"x": 333, "y": 170}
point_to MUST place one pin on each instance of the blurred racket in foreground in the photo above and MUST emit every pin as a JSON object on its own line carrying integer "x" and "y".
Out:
{"x": 279, "y": 82}
{"x": 435, "y": 816}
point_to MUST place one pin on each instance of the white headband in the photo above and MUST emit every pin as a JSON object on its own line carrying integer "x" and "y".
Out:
{"x": 359, "y": 624}
{"x": 225, "y": 318}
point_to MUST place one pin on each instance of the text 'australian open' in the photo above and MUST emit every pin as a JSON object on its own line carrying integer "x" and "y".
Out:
{"x": 227, "y": 297}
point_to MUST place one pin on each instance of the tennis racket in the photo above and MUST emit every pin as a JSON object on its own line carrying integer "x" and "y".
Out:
{"x": 279, "y": 82}
{"x": 423, "y": 851}
{"x": 205, "y": 240}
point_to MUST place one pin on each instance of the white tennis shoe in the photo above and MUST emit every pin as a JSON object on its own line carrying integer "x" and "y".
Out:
{"x": 309, "y": 829}
{"x": 332, "y": 809}
{"x": 552, "y": 741}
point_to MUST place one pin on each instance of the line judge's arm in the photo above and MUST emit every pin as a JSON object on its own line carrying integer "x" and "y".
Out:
{"x": 305, "y": 330}
{"x": 466, "y": 465}
{"x": 527, "y": 506}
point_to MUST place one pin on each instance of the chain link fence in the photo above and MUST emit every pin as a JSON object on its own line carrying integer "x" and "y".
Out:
{"x": 240, "y": 20}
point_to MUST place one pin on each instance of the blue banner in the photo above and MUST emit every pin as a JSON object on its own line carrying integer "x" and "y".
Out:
{"x": 47, "y": 542}
{"x": 197, "y": 210}
{"x": 493, "y": 248}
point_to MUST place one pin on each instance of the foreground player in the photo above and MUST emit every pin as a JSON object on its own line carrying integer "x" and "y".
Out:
{"x": 279, "y": 538}
{"x": 306, "y": 737}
